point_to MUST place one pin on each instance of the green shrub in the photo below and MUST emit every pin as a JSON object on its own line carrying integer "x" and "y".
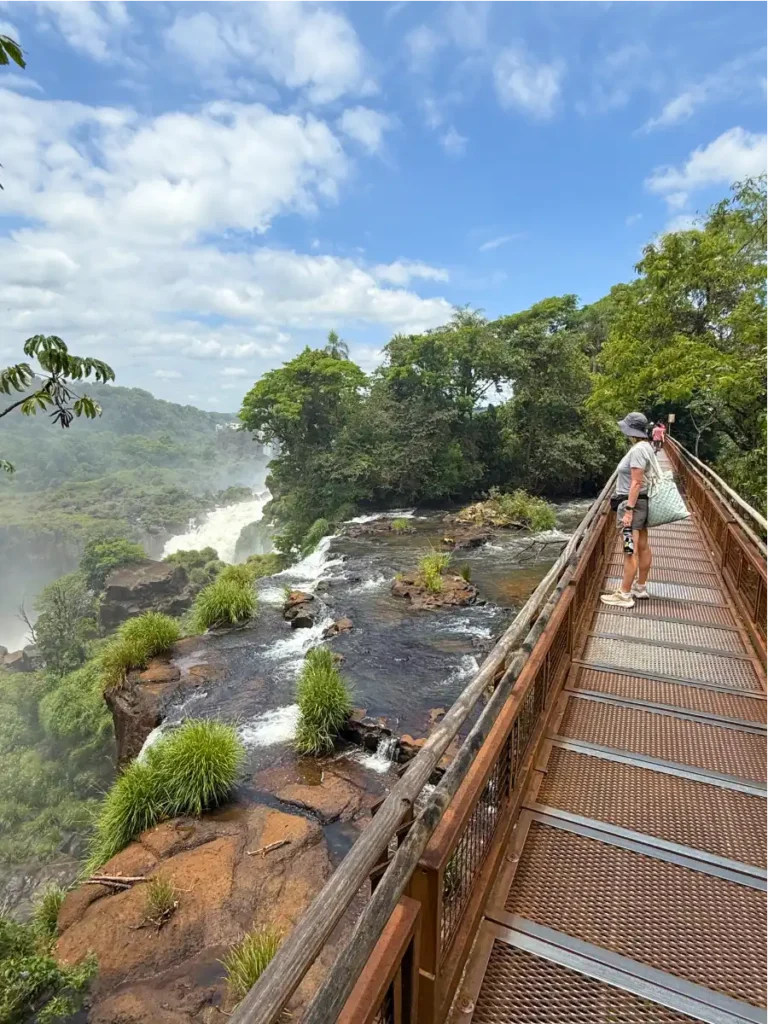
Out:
{"x": 198, "y": 765}
{"x": 46, "y": 911}
{"x": 33, "y": 986}
{"x": 431, "y": 569}
{"x": 74, "y": 711}
{"x": 402, "y": 525}
{"x": 319, "y": 529}
{"x": 526, "y": 510}
{"x": 187, "y": 772}
{"x": 135, "y": 642}
{"x": 466, "y": 573}
{"x": 65, "y": 623}
{"x": 324, "y": 703}
{"x": 241, "y": 574}
{"x": 247, "y": 961}
{"x": 101, "y": 556}
{"x": 226, "y": 602}
{"x": 266, "y": 565}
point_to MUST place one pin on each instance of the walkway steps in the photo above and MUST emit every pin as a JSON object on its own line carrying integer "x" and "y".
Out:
{"x": 634, "y": 886}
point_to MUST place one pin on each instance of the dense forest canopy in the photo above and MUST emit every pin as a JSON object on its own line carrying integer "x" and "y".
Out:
{"x": 530, "y": 400}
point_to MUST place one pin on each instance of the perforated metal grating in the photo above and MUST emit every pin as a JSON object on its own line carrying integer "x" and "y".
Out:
{"x": 710, "y": 747}
{"x": 692, "y": 698}
{"x": 680, "y": 560}
{"x": 671, "y": 662}
{"x": 719, "y": 821}
{"x": 670, "y": 632}
{"x": 685, "y": 922}
{"x": 676, "y": 591}
{"x": 660, "y": 607}
{"x": 525, "y": 989}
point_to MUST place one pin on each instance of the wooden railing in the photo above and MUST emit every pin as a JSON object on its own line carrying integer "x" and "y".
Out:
{"x": 736, "y": 533}
{"x": 431, "y": 855}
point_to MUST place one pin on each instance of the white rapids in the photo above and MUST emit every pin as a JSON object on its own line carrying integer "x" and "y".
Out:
{"x": 219, "y": 529}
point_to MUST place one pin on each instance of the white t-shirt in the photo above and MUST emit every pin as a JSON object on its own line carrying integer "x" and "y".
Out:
{"x": 639, "y": 456}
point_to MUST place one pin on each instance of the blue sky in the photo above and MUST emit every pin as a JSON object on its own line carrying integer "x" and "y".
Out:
{"x": 194, "y": 191}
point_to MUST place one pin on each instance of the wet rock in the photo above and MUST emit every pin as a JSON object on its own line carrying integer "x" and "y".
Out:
{"x": 296, "y": 610}
{"x": 342, "y": 625}
{"x": 302, "y": 620}
{"x": 457, "y": 592}
{"x": 467, "y": 539}
{"x": 138, "y": 705}
{"x": 409, "y": 747}
{"x": 17, "y": 661}
{"x": 364, "y": 731}
{"x": 297, "y": 598}
{"x": 225, "y": 887}
{"x": 146, "y": 586}
{"x": 333, "y": 799}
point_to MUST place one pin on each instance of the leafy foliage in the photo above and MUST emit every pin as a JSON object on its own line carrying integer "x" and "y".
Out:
{"x": 324, "y": 703}
{"x": 228, "y": 601}
{"x": 516, "y": 509}
{"x": 33, "y": 986}
{"x": 11, "y": 51}
{"x": 60, "y": 368}
{"x": 247, "y": 961}
{"x": 190, "y": 771}
{"x": 135, "y": 642}
{"x": 265, "y": 565}
{"x": 102, "y": 556}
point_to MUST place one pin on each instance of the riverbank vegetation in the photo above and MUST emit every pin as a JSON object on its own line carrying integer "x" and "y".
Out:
{"x": 228, "y": 601}
{"x": 324, "y": 703}
{"x": 193, "y": 769}
{"x": 431, "y": 569}
{"x": 135, "y": 642}
{"x": 517, "y": 509}
{"x": 246, "y": 962}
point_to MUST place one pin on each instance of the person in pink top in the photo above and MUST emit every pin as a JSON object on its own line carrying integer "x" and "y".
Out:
{"x": 657, "y": 435}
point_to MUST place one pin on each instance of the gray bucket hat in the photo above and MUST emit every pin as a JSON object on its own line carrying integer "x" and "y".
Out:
{"x": 634, "y": 424}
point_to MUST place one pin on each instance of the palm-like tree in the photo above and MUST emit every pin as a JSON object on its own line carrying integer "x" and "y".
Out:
{"x": 335, "y": 347}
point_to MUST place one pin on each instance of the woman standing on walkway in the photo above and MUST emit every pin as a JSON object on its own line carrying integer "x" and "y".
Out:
{"x": 630, "y": 500}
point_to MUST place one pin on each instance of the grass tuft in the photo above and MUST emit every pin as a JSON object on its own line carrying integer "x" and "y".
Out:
{"x": 324, "y": 703}
{"x": 247, "y": 961}
{"x": 161, "y": 899}
{"x": 466, "y": 573}
{"x": 135, "y": 642}
{"x": 45, "y": 916}
{"x": 401, "y": 525}
{"x": 198, "y": 765}
{"x": 228, "y": 601}
{"x": 431, "y": 569}
{"x": 319, "y": 529}
{"x": 191, "y": 770}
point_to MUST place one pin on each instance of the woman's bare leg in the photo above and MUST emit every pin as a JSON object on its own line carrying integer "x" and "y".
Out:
{"x": 644, "y": 556}
{"x": 630, "y": 568}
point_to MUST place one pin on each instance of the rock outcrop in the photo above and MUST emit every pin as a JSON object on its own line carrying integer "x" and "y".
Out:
{"x": 342, "y": 625}
{"x": 456, "y": 591}
{"x": 17, "y": 661}
{"x": 145, "y": 586}
{"x": 138, "y": 705}
{"x": 297, "y": 610}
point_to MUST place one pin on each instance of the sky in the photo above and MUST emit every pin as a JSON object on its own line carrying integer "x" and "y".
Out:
{"x": 194, "y": 192}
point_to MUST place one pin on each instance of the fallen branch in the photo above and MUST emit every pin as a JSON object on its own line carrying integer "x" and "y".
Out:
{"x": 121, "y": 881}
{"x": 264, "y": 850}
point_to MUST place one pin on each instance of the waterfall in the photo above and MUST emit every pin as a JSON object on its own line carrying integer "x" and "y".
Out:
{"x": 220, "y": 528}
{"x": 381, "y": 761}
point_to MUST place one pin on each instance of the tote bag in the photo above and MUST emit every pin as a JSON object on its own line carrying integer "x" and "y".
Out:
{"x": 665, "y": 503}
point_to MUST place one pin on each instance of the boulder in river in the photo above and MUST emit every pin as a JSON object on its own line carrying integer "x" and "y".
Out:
{"x": 296, "y": 610}
{"x": 145, "y": 586}
{"x": 342, "y": 625}
{"x": 456, "y": 592}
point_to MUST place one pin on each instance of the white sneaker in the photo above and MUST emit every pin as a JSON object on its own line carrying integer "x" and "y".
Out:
{"x": 619, "y": 599}
{"x": 640, "y": 593}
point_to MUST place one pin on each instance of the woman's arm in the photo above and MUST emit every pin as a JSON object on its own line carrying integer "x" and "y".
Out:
{"x": 638, "y": 476}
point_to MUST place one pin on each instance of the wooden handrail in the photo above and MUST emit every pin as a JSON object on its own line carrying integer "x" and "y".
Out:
{"x": 268, "y": 997}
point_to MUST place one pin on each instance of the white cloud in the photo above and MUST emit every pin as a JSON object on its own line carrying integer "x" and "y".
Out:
{"x": 168, "y": 374}
{"x": 734, "y": 155}
{"x": 402, "y": 272}
{"x": 633, "y": 218}
{"x": 310, "y": 48}
{"x": 90, "y": 28}
{"x": 127, "y": 248}
{"x": 235, "y": 371}
{"x": 433, "y": 115}
{"x": 496, "y": 243}
{"x": 468, "y": 23}
{"x": 422, "y": 44}
{"x": 453, "y": 143}
{"x": 522, "y": 82}
{"x": 732, "y": 79}
{"x": 19, "y": 81}
{"x": 682, "y": 222}
{"x": 365, "y": 126}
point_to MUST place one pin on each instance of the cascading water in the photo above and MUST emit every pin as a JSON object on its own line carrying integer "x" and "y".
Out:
{"x": 220, "y": 529}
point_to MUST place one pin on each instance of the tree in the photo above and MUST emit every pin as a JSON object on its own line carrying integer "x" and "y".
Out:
{"x": 60, "y": 368}
{"x": 335, "y": 347}
{"x": 65, "y": 623}
{"x": 11, "y": 51}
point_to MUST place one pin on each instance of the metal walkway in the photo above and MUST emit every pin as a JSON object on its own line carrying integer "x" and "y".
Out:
{"x": 634, "y": 887}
